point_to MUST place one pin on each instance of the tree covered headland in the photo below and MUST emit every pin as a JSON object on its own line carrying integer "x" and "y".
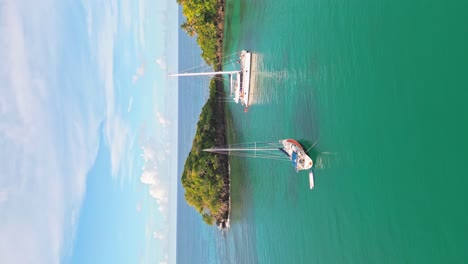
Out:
{"x": 204, "y": 18}
{"x": 205, "y": 177}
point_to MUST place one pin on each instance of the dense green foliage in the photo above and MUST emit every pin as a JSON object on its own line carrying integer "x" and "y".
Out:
{"x": 204, "y": 19}
{"x": 205, "y": 176}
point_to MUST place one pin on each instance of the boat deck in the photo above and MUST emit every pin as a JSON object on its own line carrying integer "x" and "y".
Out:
{"x": 246, "y": 58}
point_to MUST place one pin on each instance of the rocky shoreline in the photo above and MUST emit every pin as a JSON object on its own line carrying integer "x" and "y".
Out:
{"x": 220, "y": 34}
{"x": 223, "y": 221}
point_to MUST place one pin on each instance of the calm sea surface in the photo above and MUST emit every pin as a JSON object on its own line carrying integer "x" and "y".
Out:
{"x": 381, "y": 87}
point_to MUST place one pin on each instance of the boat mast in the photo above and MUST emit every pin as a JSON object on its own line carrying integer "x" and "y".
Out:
{"x": 254, "y": 146}
{"x": 237, "y": 149}
{"x": 203, "y": 73}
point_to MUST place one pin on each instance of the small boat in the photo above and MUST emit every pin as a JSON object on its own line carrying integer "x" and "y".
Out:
{"x": 285, "y": 149}
{"x": 311, "y": 179}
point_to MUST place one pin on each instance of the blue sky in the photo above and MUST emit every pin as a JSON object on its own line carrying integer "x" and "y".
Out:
{"x": 88, "y": 131}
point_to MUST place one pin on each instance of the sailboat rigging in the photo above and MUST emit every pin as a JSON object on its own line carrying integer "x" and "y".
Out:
{"x": 285, "y": 149}
{"x": 240, "y": 86}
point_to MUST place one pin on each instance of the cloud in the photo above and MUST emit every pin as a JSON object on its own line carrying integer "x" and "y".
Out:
{"x": 117, "y": 136}
{"x": 126, "y": 8}
{"x": 3, "y": 197}
{"x": 163, "y": 121}
{"x": 165, "y": 260}
{"x": 105, "y": 53}
{"x": 160, "y": 194}
{"x": 140, "y": 72}
{"x": 130, "y": 104}
{"x": 141, "y": 22}
{"x": 162, "y": 63}
{"x": 44, "y": 155}
{"x": 51, "y": 108}
{"x": 149, "y": 177}
{"x": 158, "y": 235}
{"x": 105, "y": 25}
{"x": 158, "y": 187}
{"x": 157, "y": 176}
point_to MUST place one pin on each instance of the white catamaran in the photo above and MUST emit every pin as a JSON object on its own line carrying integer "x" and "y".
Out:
{"x": 241, "y": 85}
{"x": 285, "y": 149}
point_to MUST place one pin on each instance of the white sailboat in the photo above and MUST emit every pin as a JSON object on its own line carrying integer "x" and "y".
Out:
{"x": 241, "y": 85}
{"x": 285, "y": 149}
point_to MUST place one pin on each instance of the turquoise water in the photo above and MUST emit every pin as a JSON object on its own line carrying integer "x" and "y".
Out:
{"x": 381, "y": 86}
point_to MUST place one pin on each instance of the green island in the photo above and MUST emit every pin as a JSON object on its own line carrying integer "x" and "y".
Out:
{"x": 205, "y": 20}
{"x": 206, "y": 176}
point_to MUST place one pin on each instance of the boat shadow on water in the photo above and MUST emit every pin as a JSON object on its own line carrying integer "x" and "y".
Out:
{"x": 240, "y": 191}
{"x": 310, "y": 148}
{"x": 322, "y": 159}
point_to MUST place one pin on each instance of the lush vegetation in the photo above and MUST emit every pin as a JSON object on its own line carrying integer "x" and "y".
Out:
{"x": 205, "y": 176}
{"x": 204, "y": 19}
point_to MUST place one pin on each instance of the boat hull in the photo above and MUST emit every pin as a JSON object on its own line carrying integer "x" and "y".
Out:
{"x": 298, "y": 155}
{"x": 246, "y": 60}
